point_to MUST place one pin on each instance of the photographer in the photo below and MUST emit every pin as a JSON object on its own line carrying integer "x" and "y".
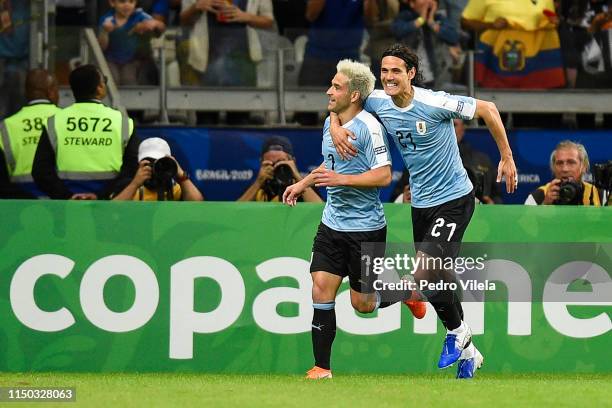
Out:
{"x": 480, "y": 170}
{"x": 159, "y": 176}
{"x": 277, "y": 172}
{"x": 568, "y": 162}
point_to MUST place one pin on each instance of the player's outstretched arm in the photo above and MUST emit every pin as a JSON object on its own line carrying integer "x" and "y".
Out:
{"x": 506, "y": 168}
{"x": 378, "y": 177}
{"x": 340, "y": 137}
{"x": 294, "y": 191}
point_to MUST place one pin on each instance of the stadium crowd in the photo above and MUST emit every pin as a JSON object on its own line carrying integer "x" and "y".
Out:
{"x": 519, "y": 44}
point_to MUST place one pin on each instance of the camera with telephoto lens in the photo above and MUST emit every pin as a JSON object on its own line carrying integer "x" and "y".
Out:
{"x": 602, "y": 175}
{"x": 164, "y": 171}
{"x": 281, "y": 179}
{"x": 477, "y": 178}
{"x": 570, "y": 192}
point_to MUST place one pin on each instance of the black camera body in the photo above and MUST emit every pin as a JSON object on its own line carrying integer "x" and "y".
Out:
{"x": 477, "y": 178}
{"x": 281, "y": 179}
{"x": 161, "y": 181}
{"x": 570, "y": 192}
{"x": 165, "y": 168}
{"x": 602, "y": 175}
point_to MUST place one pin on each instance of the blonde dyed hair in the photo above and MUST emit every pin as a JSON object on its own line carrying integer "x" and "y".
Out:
{"x": 360, "y": 78}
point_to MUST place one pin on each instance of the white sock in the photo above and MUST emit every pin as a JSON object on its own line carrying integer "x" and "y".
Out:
{"x": 468, "y": 352}
{"x": 458, "y": 330}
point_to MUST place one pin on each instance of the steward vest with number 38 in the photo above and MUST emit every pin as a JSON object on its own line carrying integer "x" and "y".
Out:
{"x": 88, "y": 139}
{"x": 19, "y": 136}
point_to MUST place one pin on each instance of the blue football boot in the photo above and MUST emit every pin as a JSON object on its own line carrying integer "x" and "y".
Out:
{"x": 454, "y": 343}
{"x": 470, "y": 361}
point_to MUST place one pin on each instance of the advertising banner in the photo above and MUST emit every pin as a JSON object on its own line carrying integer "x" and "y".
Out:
{"x": 224, "y": 162}
{"x": 225, "y": 287}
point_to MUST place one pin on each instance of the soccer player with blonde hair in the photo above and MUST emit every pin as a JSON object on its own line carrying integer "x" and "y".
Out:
{"x": 353, "y": 212}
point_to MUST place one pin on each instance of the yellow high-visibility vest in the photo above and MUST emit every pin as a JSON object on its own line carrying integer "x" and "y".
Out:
{"x": 19, "y": 136}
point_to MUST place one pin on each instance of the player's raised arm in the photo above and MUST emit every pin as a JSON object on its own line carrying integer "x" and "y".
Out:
{"x": 378, "y": 177}
{"x": 489, "y": 113}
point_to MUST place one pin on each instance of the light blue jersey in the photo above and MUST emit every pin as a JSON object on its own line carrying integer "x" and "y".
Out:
{"x": 424, "y": 134}
{"x": 356, "y": 209}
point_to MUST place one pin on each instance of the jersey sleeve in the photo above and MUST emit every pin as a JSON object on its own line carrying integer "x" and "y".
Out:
{"x": 103, "y": 18}
{"x": 375, "y": 146}
{"x": 443, "y": 106}
{"x": 142, "y": 16}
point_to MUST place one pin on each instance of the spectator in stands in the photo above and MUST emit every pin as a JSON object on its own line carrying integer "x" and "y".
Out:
{"x": 428, "y": 32}
{"x": 223, "y": 47}
{"x": 574, "y": 17}
{"x": 20, "y": 132}
{"x": 336, "y": 32}
{"x": 568, "y": 163}
{"x": 453, "y": 9}
{"x": 122, "y": 36}
{"x": 223, "y": 44}
{"x": 518, "y": 43}
{"x": 14, "y": 53}
{"x": 278, "y": 171}
{"x": 603, "y": 20}
{"x": 380, "y": 34}
{"x": 87, "y": 148}
{"x": 479, "y": 167}
{"x": 159, "y": 176}
{"x": 290, "y": 18}
{"x": 70, "y": 18}
{"x": 601, "y": 29}
{"x": 160, "y": 10}
{"x": 337, "y": 29}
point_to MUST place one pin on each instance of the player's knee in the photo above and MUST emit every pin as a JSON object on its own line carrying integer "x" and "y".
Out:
{"x": 321, "y": 293}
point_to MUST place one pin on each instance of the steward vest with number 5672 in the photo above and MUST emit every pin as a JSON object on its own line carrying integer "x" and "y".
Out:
{"x": 88, "y": 139}
{"x": 19, "y": 136}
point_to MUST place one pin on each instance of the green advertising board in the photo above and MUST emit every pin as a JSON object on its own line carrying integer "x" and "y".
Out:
{"x": 224, "y": 287}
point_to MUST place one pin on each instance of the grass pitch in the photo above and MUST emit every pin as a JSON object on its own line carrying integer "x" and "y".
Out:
{"x": 228, "y": 391}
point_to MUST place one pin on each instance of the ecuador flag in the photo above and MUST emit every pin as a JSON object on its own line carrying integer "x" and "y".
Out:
{"x": 515, "y": 58}
{"x": 524, "y": 54}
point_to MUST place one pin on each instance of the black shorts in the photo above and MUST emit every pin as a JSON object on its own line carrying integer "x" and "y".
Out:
{"x": 339, "y": 253}
{"x": 438, "y": 230}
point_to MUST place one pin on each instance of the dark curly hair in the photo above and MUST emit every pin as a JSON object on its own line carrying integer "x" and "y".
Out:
{"x": 409, "y": 57}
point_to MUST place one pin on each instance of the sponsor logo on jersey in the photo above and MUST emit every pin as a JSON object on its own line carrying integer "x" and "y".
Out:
{"x": 380, "y": 150}
{"x": 459, "y": 106}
